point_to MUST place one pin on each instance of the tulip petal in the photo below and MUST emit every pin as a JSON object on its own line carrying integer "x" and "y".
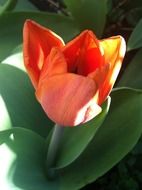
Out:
{"x": 37, "y": 44}
{"x": 100, "y": 74}
{"x": 69, "y": 99}
{"x": 54, "y": 64}
{"x": 83, "y": 54}
{"x": 114, "y": 51}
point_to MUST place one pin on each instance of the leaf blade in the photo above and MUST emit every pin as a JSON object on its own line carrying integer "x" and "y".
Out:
{"x": 73, "y": 147}
{"x": 135, "y": 40}
{"x": 132, "y": 75}
{"x": 115, "y": 138}
{"x": 88, "y": 15}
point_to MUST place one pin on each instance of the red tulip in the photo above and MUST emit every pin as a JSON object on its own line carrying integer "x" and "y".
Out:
{"x": 72, "y": 80}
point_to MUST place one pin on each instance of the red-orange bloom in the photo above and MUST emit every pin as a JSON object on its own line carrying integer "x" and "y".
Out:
{"x": 72, "y": 80}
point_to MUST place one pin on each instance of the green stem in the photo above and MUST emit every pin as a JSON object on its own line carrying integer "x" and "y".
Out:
{"x": 53, "y": 149}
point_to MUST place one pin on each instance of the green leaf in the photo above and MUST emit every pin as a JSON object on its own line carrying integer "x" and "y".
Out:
{"x": 114, "y": 139}
{"x": 7, "y": 6}
{"x": 11, "y": 33}
{"x": 5, "y": 121}
{"x": 22, "y": 160}
{"x": 15, "y": 59}
{"x": 132, "y": 76}
{"x": 23, "y": 5}
{"x": 18, "y": 104}
{"x": 135, "y": 40}
{"x": 74, "y": 147}
{"x": 22, "y": 151}
{"x": 89, "y": 14}
{"x": 109, "y": 6}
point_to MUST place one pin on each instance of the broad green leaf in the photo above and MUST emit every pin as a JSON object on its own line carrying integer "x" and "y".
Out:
{"x": 114, "y": 139}
{"x": 15, "y": 59}
{"x": 22, "y": 161}
{"x": 11, "y": 33}
{"x": 22, "y": 151}
{"x": 23, "y": 5}
{"x": 89, "y": 14}
{"x": 135, "y": 40}
{"x": 77, "y": 138}
{"x": 109, "y": 6}
{"x": 5, "y": 121}
{"x": 7, "y": 5}
{"x": 18, "y": 104}
{"x": 132, "y": 76}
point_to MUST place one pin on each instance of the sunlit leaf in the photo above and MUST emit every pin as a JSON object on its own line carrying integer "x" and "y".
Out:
{"x": 22, "y": 161}
{"x": 5, "y": 121}
{"x": 7, "y": 5}
{"x": 18, "y": 103}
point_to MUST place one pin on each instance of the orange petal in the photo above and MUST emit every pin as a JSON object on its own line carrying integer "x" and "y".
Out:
{"x": 100, "y": 74}
{"x": 37, "y": 44}
{"x": 114, "y": 50}
{"x": 55, "y": 64}
{"x": 69, "y": 99}
{"x": 83, "y": 53}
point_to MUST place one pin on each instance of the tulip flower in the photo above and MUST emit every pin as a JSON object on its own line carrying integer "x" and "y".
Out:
{"x": 71, "y": 80}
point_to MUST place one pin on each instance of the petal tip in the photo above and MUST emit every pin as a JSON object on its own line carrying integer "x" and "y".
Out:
{"x": 28, "y": 23}
{"x": 122, "y": 47}
{"x": 122, "y": 44}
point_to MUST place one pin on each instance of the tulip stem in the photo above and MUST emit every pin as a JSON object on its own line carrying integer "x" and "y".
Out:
{"x": 53, "y": 149}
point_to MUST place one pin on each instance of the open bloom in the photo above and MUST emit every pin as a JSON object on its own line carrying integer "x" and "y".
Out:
{"x": 72, "y": 80}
